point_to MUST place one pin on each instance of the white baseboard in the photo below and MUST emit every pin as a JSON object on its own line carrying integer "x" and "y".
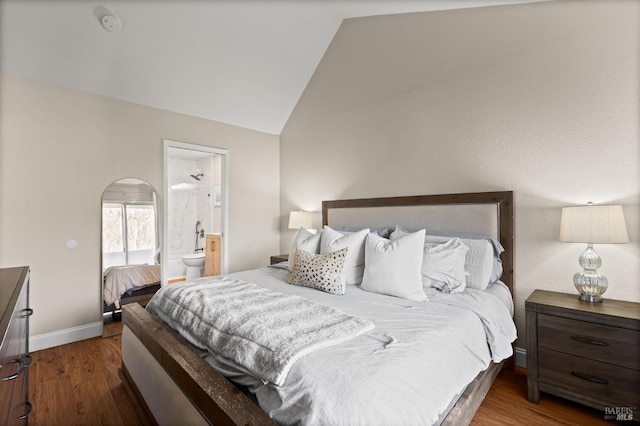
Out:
{"x": 521, "y": 357}
{"x": 62, "y": 337}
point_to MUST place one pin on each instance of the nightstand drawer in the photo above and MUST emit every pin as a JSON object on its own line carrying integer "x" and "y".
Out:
{"x": 278, "y": 258}
{"x": 594, "y": 380}
{"x": 612, "y": 345}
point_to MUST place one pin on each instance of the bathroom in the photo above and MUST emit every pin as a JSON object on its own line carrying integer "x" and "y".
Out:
{"x": 194, "y": 210}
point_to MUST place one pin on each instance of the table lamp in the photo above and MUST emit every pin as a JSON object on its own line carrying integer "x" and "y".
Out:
{"x": 591, "y": 224}
{"x": 300, "y": 219}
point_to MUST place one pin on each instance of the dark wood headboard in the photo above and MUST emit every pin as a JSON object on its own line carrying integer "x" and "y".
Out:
{"x": 488, "y": 213}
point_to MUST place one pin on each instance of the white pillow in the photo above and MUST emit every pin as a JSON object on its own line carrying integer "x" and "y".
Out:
{"x": 478, "y": 261}
{"x": 306, "y": 241}
{"x": 443, "y": 265}
{"x": 333, "y": 240}
{"x": 319, "y": 271}
{"x": 393, "y": 267}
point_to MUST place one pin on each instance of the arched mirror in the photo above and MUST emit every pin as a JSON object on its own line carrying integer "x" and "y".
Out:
{"x": 130, "y": 246}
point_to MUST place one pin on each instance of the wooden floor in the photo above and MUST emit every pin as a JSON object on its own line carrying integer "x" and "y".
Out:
{"x": 78, "y": 384}
{"x": 506, "y": 404}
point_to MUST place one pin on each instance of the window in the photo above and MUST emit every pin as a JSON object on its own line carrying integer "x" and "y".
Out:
{"x": 112, "y": 228}
{"x": 128, "y": 233}
{"x": 141, "y": 226}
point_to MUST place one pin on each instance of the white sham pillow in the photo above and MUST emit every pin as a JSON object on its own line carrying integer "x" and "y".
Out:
{"x": 333, "y": 240}
{"x": 394, "y": 267}
{"x": 497, "y": 249}
{"x": 305, "y": 240}
{"x": 478, "y": 261}
{"x": 443, "y": 266}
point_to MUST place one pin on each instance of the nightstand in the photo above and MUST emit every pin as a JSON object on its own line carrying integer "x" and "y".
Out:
{"x": 278, "y": 258}
{"x": 586, "y": 352}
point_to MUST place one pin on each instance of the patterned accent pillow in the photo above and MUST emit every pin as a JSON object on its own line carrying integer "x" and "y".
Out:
{"x": 320, "y": 271}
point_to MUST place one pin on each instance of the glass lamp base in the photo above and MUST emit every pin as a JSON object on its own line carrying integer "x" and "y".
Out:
{"x": 590, "y": 298}
{"x": 590, "y": 284}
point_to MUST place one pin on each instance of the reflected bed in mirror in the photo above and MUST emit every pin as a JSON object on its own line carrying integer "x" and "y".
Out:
{"x": 130, "y": 245}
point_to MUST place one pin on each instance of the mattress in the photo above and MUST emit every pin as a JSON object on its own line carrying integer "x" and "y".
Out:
{"x": 408, "y": 370}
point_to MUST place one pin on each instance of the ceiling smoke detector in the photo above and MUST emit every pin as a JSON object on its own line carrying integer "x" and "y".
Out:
{"x": 111, "y": 22}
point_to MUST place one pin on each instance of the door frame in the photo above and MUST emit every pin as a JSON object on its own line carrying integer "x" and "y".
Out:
{"x": 224, "y": 208}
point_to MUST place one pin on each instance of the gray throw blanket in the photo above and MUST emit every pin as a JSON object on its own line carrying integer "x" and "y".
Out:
{"x": 259, "y": 329}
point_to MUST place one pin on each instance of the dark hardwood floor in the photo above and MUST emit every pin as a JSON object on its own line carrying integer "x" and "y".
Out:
{"x": 78, "y": 384}
{"x": 506, "y": 404}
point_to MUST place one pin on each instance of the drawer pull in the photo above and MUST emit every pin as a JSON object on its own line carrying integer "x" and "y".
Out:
{"x": 14, "y": 376}
{"x": 590, "y": 378}
{"x": 27, "y": 410}
{"x": 27, "y": 313}
{"x": 588, "y": 341}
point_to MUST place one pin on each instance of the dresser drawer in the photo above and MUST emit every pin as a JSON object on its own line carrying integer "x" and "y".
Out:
{"x": 593, "y": 379}
{"x": 20, "y": 406}
{"x": 14, "y": 336}
{"x": 612, "y": 345}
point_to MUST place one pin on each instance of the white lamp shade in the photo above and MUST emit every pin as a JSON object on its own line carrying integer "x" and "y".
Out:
{"x": 300, "y": 219}
{"x": 593, "y": 224}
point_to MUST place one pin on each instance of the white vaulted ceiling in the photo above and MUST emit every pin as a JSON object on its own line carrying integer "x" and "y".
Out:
{"x": 240, "y": 62}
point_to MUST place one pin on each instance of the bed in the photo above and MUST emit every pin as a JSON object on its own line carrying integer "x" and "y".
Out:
{"x": 173, "y": 383}
{"x": 128, "y": 283}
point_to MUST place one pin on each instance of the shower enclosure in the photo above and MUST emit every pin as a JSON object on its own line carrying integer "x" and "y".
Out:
{"x": 191, "y": 175}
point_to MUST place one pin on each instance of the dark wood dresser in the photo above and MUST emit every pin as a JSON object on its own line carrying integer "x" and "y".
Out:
{"x": 585, "y": 352}
{"x": 14, "y": 348}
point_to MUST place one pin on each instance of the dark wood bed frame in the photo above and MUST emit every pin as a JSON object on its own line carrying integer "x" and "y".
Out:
{"x": 141, "y": 296}
{"x": 221, "y": 403}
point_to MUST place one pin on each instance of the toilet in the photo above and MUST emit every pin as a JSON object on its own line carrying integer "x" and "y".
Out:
{"x": 195, "y": 264}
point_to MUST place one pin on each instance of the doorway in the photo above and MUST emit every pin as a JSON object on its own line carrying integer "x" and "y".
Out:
{"x": 195, "y": 194}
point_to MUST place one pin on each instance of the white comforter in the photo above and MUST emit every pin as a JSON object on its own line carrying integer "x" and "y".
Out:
{"x": 406, "y": 371}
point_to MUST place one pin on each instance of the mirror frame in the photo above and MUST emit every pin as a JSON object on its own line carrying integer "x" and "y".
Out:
{"x": 159, "y": 225}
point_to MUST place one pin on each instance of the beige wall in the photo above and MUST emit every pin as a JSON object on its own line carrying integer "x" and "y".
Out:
{"x": 541, "y": 99}
{"x": 60, "y": 148}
